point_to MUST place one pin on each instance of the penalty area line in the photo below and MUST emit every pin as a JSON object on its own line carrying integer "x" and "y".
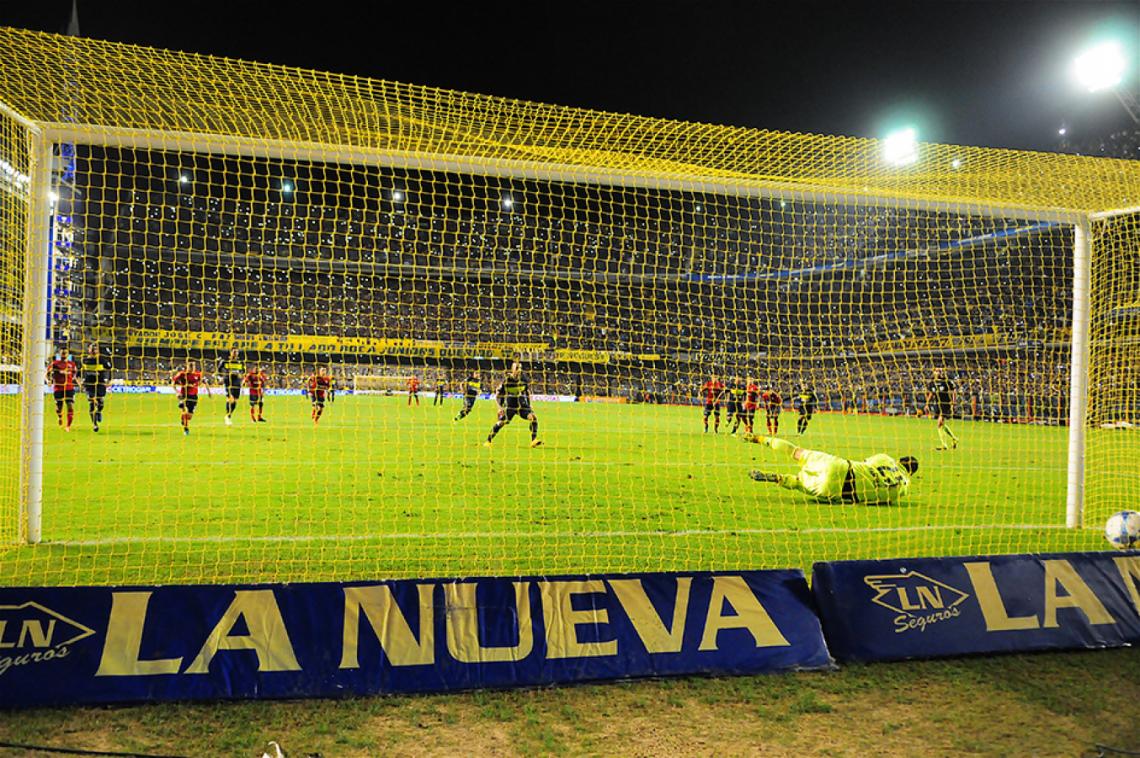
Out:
{"x": 410, "y": 536}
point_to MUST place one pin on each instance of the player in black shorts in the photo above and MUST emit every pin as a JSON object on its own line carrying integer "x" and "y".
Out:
{"x": 737, "y": 392}
{"x": 513, "y": 399}
{"x": 941, "y": 391}
{"x": 232, "y": 369}
{"x": 472, "y": 386}
{"x": 807, "y": 400}
{"x": 94, "y": 370}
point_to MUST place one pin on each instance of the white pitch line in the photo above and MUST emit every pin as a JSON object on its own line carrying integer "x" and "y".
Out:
{"x": 300, "y": 538}
{"x": 532, "y": 460}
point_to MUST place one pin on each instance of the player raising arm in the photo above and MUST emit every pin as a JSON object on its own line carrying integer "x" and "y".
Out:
{"x": 878, "y": 480}
{"x": 713, "y": 389}
{"x": 186, "y": 383}
{"x": 61, "y": 373}
{"x": 472, "y": 386}
{"x": 255, "y": 379}
{"x": 513, "y": 399}
{"x": 95, "y": 370}
{"x": 320, "y": 385}
{"x": 942, "y": 391}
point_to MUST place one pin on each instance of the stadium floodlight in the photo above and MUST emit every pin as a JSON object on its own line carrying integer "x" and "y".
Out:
{"x": 956, "y": 163}
{"x": 1103, "y": 67}
{"x": 1100, "y": 67}
{"x": 286, "y": 186}
{"x": 900, "y": 147}
{"x": 508, "y": 202}
{"x": 184, "y": 179}
{"x": 54, "y": 197}
{"x": 397, "y": 196}
{"x": 1062, "y": 131}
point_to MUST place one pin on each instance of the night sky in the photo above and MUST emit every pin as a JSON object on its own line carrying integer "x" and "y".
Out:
{"x": 977, "y": 73}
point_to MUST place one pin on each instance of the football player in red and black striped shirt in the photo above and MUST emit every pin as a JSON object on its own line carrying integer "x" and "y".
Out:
{"x": 255, "y": 379}
{"x": 61, "y": 373}
{"x": 713, "y": 389}
{"x": 751, "y": 403}
{"x": 186, "y": 383}
{"x": 773, "y": 404}
{"x": 320, "y": 388}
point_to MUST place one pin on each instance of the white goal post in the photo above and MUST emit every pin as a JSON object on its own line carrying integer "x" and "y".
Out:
{"x": 37, "y": 259}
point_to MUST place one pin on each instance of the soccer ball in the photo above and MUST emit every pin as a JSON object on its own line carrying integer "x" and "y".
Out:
{"x": 1123, "y": 530}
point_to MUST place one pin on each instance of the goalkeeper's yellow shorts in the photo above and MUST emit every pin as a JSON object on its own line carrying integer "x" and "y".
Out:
{"x": 823, "y": 474}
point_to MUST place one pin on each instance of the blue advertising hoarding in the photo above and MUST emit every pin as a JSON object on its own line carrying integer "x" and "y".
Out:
{"x": 70, "y": 645}
{"x": 934, "y": 607}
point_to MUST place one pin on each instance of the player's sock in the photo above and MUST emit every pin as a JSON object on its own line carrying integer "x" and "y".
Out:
{"x": 534, "y": 430}
{"x": 495, "y": 430}
{"x": 70, "y": 416}
{"x": 252, "y": 413}
{"x": 953, "y": 437}
{"x": 943, "y": 437}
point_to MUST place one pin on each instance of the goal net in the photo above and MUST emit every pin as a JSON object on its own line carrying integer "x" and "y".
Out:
{"x": 671, "y": 291}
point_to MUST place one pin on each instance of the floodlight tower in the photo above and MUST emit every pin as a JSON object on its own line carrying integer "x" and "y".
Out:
{"x": 1103, "y": 66}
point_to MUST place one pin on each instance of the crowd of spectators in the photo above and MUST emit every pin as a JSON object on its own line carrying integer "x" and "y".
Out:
{"x": 839, "y": 298}
{"x": 808, "y": 280}
{"x": 1122, "y": 143}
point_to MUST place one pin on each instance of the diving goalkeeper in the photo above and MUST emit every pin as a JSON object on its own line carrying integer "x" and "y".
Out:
{"x": 878, "y": 480}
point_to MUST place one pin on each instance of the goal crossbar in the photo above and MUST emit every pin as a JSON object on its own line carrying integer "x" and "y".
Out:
{"x": 219, "y": 144}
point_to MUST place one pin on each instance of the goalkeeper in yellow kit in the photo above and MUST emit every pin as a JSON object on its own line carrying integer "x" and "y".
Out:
{"x": 878, "y": 480}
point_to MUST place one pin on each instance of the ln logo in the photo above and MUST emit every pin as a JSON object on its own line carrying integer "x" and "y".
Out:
{"x": 32, "y": 633}
{"x": 917, "y": 600}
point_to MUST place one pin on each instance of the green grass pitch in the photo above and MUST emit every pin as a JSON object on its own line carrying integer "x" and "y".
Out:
{"x": 381, "y": 490}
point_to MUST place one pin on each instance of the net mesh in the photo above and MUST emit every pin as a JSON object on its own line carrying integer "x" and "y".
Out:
{"x": 1112, "y": 475}
{"x": 339, "y": 232}
{"x": 14, "y": 179}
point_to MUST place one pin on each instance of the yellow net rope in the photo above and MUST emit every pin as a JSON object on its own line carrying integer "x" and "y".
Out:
{"x": 360, "y": 263}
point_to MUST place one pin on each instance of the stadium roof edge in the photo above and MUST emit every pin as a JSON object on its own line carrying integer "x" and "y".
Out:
{"x": 91, "y": 91}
